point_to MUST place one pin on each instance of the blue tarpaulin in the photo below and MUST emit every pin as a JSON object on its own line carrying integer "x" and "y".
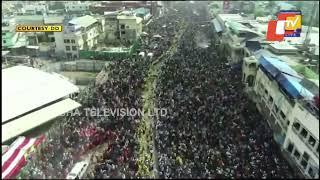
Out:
{"x": 267, "y": 66}
{"x": 288, "y": 87}
{"x": 287, "y": 78}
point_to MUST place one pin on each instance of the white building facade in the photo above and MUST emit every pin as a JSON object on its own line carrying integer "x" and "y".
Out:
{"x": 292, "y": 115}
{"x": 130, "y": 27}
{"x": 76, "y": 6}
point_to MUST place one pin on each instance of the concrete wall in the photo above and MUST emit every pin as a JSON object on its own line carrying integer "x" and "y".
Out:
{"x": 83, "y": 65}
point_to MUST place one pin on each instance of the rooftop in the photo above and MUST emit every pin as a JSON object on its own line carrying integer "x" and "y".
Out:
{"x": 124, "y": 17}
{"x": 30, "y": 19}
{"x": 26, "y": 88}
{"x": 83, "y": 21}
{"x": 286, "y": 77}
{"x": 142, "y": 11}
{"x": 53, "y": 19}
{"x": 282, "y": 46}
{"x": 230, "y": 17}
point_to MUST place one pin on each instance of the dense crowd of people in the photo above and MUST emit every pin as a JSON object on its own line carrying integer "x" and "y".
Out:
{"x": 212, "y": 130}
{"x": 74, "y": 135}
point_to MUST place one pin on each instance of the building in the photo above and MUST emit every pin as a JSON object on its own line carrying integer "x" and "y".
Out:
{"x": 111, "y": 27}
{"x": 232, "y": 33}
{"x": 143, "y": 13}
{"x": 9, "y": 34}
{"x": 37, "y": 8}
{"x": 81, "y": 33}
{"x": 32, "y": 37}
{"x": 54, "y": 46}
{"x": 286, "y": 98}
{"x": 130, "y": 26}
{"x": 32, "y": 98}
{"x": 76, "y": 6}
{"x": 120, "y": 5}
{"x": 302, "y": 140}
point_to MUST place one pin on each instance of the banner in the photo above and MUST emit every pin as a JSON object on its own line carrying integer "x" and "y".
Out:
{"x": 16, "y": 156}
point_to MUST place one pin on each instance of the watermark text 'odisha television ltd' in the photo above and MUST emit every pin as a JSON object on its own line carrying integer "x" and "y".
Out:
{"x": 288, "y": 24}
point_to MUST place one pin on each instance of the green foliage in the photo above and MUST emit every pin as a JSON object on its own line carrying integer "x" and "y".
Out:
{"x": 258, "y": 12}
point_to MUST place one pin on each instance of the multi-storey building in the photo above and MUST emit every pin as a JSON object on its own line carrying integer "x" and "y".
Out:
{"x": 286, "y": 99}
{"x": 9, "y": 35}
{"x": 130, "y": 26}
{"x": 76, "y": 6}
{"x": 81, "y": 33}
{"x": 37, "y": 8}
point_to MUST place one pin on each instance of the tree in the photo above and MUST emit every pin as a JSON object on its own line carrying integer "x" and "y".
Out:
{"x": 258, "y": 12}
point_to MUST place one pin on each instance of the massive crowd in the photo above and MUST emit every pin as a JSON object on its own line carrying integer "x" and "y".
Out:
{"x": 212, "y": 130}
{"x": 74, "y": 135}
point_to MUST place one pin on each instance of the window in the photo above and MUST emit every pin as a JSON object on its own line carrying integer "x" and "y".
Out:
{"x": 311, "y": 172}
{"x": 282, "y": 115}
{"x": 67, "y": 41}
{"x": 270, "y": 99}
{"x": 74, "y": 48}
{"x": 306, "y": 156}
{"x": 127, "y": 27}
{"x": 304, "y": 133}
{"x": 296, "y": 125}
{"x": 290, "y": 147}
{"x": 4, "y": 41}
{"x": 304, "y": 160}
{"x": 73, "y": 41}
{"x": 52, "y": 39}
{"x": 123, "y": 32}
{"x": 3, "y": 34}
{"x": 252, "y": 65}
{"x": 312, "y": 141}
{"x": 304, "y": 163}
{"x": 68, "y": 48}
{"x": 276, "y": 108}
{"x": 122, "y": 26}
{"x": 296, "y": 154}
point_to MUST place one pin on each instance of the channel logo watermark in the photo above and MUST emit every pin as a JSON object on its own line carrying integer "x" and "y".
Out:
{"x": 121, "y": 112}
{"x": 288, "y": 24}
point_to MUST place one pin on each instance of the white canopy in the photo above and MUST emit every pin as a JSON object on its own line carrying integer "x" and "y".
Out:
{"x": 26, "y": 88}
{"x": 37, "y": 118}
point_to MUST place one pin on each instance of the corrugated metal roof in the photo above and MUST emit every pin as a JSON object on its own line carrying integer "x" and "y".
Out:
{"x": 27, "y": 88}
{"x": 83, "y": 21}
